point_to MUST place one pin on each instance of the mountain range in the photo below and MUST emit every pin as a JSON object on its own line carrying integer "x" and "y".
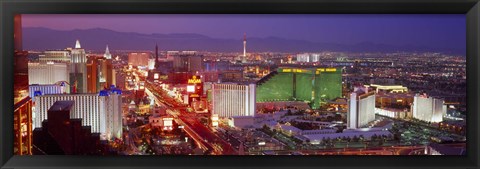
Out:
{"x": 39, "y": 38}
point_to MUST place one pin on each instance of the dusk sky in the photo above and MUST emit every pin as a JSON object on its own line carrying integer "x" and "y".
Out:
{"x": 447, "y": 31}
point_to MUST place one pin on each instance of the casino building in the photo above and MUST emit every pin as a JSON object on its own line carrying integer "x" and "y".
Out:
{"x": 361, "y": 108}
{"x": 78, "y": 69}
{"x": 102, "y": 111}
{"x": 314, "y": 86}
{"x": 428, "y": 109}
{"x": 47, "y": 73}
{"x": 36, "y": 89}
{"x": 231, "y": 99}
{"x": 55, "y": 56}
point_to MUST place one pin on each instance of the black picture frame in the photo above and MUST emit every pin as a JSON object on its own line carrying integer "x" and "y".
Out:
{"x": 8, "y": 8}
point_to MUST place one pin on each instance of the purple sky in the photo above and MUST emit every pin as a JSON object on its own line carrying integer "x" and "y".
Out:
{"x": 447, "y": 31}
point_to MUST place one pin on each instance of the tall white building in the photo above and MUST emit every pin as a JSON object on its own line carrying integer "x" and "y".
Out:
{"x": 308, "y": 57}
{"x": 47, "y": 73}
{"x": 361, "y": 108}
{"x": 428, "y": 108}
{"x": 103, "y": 111}
{"x": 230, "y": 99}
{"x": 78, "y": 69}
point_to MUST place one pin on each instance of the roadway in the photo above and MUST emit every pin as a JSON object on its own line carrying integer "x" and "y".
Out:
{"x": 205, "y": 138}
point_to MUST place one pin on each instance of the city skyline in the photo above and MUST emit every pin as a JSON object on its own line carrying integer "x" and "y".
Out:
{"x": 90, "y": 96}
{"x": 427, "y": 31}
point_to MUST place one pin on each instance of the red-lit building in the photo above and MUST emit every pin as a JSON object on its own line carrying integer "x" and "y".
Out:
{"x": 99, "y": 73}
{"x": 22, "y": 115}
{"x": 22, "y": 127}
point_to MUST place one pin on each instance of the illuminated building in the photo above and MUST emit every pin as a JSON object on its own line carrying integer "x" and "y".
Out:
{"x": 194, "y": 88}
{"x": 187, "y": 61}
{"x": 428, "y": 109}
{"x": 231, "y": 99}
{"x": 392, "y": 113}
{"x": 93, "y": 85}
{"x": 63, "y": 135}
{"x": 389, "y": 88}
{"x": 394, "y": 100}
{"x": 78, "y": 69}
{"x": 100, "y": 111}
{"x": 22, "y": 104}
{"x": 36, "y": 89}
{"x": 138, "y": 59}
{"x": 308, "y": 57}
{"x": 106, "y": 72}
{"x": 47, "y": 73}
{"x": 55, "y": 56}
{"x": 22, "y": 127}
{"x": 100, "y": 73}
{"x": 361, "y": 108}
{"x": 315, "y": 86}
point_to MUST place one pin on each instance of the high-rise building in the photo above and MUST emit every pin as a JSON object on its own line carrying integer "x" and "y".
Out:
{"x": 308, "y": 57}
{"x": 314, "y": 86}
{"x": 63, "y": 135}
{"x": 100, "y": 111}
{"x": 428, "y": 109}
{"x": 47, "y": 73}
{"x": 188, "y": 61}
{"x": 22, "y": 104}
{"x": 230, "y": 99}
{"x": 361, "y": 108}
{"x": 78, "y": 69}
{"x": 55, "y": 56}
{"x": 93, "y": 85}
{"x": 138, "y": 59}
{"x": 100, "y": 73}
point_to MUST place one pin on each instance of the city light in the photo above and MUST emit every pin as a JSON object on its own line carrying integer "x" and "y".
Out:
{"x": 280, "y": 96}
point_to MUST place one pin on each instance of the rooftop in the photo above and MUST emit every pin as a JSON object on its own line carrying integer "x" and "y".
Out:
{"x": 61, "y": 105}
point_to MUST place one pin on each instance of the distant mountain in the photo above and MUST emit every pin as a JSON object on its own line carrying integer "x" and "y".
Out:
{"x": 38, "y": 38}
